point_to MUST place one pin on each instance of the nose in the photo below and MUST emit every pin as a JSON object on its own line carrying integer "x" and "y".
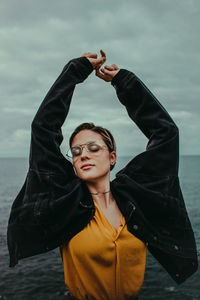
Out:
{"x": 84, "y": 153}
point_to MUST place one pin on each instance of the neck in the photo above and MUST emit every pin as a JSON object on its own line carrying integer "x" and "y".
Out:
{"x": 100, "y": 192}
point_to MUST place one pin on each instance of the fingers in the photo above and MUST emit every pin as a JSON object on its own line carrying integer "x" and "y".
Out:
{"x": 107, "y": 71}
{"x": 89, "y": 54}
{"x": 93, "y": 55}
{"x": 100, "y": 61}
{"x": 102, "y": 74}
{"x": 99, "y": 74}
{"x": 102, "y": 53}
{"x": 112, "y": 67}
{"x": 103, "y": 56}
{"x": 109, "y": 68}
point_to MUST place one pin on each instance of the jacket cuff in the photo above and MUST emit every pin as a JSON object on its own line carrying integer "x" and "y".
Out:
{"x": 120, "y": 76}
{"x": 81, "y": 64}
{"x": 86, "y": 62}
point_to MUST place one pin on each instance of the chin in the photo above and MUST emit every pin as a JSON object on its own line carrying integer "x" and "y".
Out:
{"x": 93, "y": 177}
{"x": 89, "y": 177}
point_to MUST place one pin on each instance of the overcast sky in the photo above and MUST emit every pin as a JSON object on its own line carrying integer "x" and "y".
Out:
{"x": 156, "y": 39}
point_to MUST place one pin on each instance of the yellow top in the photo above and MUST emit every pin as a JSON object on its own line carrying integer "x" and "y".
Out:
{"x": 102, "y": 263}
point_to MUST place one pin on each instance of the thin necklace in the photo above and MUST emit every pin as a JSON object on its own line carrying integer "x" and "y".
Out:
{"x": 100, "y": 193}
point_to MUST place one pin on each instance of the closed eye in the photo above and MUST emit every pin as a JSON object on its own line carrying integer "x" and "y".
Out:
{"x": 94, "y": 148}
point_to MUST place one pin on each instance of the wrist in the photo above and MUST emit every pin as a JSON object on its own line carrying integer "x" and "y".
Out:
{"x": 87, "y": 62}
{"x": 117, "y": 77}
{"x": 80, "y": 67}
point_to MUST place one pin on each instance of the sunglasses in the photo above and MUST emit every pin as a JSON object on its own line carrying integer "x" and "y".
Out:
{"x": 91, "y": 147}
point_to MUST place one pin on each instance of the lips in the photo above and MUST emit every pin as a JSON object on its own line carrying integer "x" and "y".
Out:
{"x": 86, "y": 165}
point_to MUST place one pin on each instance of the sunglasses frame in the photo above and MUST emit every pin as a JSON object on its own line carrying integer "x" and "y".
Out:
{"x": 87, "y": 149}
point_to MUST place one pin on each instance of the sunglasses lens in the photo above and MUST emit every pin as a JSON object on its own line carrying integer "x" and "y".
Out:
{"x": 76, "y": 151}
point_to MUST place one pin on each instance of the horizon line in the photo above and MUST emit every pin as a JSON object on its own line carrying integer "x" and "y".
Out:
{"x": 23, "y": 157}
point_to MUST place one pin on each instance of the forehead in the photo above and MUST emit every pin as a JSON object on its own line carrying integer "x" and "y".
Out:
{"x": 85, "y": 136}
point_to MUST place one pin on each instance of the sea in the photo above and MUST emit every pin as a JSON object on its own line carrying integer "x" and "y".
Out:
{"x": 41, "y": 276}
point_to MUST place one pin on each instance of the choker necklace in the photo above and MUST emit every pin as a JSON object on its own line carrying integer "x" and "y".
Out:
{"x": 100, "y": 193}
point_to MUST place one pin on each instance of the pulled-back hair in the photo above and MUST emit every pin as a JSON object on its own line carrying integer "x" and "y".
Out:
{"x": 105, "y": 134}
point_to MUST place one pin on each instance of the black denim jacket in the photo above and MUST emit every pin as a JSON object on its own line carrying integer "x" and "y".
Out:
{"x": 54, "y": 204}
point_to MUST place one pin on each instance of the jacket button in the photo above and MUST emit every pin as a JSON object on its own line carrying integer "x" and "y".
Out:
{"x": 155, "y": 238}
{"x": 177, "y": 275}
{"x": 47, "y": 248}
{"x": 176, "y": 247}
{"x": 135, "y": 227}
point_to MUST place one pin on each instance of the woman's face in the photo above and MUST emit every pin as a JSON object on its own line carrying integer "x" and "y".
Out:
{"x": 100, "y": 161}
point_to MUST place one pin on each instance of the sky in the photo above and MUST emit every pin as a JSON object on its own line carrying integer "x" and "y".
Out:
{"x": 158, "y": 40}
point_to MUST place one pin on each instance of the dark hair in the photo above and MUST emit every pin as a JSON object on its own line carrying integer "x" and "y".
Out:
{"x": 105, "y": 134}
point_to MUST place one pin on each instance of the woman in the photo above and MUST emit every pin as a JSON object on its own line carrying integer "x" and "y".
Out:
{"x": 103, "y": 228}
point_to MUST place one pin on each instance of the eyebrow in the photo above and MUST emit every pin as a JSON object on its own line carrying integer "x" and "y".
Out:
{"x": 84, "y": 143}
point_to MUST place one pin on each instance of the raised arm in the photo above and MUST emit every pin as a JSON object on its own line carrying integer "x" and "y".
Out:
{"x": 150, "y": 180}
{"x": 162, "y": 150}
{"x": 36, "y": 211}
{"x": 46, "y": 136}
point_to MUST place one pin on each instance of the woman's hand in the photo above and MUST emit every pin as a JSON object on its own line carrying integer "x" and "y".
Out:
{"x": 108, "y": 72}
{"x": 96, "y": 62}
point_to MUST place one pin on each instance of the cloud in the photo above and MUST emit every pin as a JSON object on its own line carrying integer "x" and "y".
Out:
{"x": 157, "y": 40}
{"x": 19, "y": 141}
{"x": 17, "y": 110}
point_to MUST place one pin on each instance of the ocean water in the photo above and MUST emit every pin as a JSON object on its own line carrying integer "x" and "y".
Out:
{"x": 41, "y": 276}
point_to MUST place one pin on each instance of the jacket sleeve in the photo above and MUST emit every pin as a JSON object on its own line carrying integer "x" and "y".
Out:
{"x": 162, "y": 150}
{"x": 150, "y": 181}
{"x": 46, "y": 135}
{"x": 48, "y": 190}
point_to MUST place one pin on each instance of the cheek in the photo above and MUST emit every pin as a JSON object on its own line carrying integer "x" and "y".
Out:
{"x": 103, "y": 163}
